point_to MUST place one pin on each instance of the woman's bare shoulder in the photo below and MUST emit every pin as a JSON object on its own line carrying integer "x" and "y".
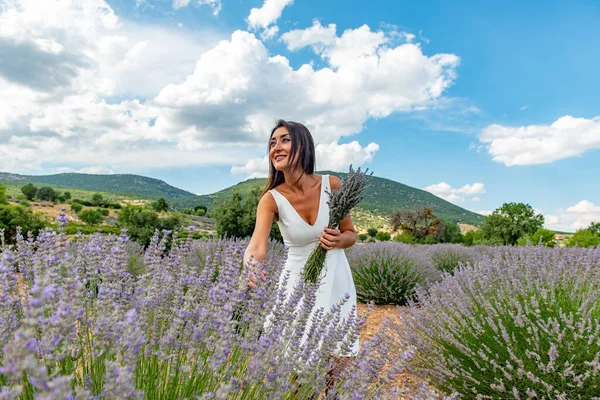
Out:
{"x": 267, "y": 201}
{"x": 334, "y": 182}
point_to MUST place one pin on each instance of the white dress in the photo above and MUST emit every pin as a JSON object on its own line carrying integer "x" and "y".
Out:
{"x": 302, "y": 238}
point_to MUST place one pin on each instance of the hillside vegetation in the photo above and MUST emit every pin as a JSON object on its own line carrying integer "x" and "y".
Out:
{"x": 133, "y": 185}
{"x": 384, "y": 197}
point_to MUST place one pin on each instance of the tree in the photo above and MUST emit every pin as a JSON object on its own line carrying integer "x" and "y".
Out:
{"x": 510, "y": 222}
{"x": 141, "y": 223}
{"x": 76, "y": 207}
{"x": 29, "y": 191}
{"x": 67, "y": 195}
{"x": 372, "y": 232}
{"x": 450, "y": 233}
{"x": 160, "y": 205}
{"x": 12, "y": 217}
{"x": 362, "y": 237}
{"x": 544, "y": 237}
{"x": 419, "y": 223}
{"x": 236, "y": 216}
{"x": 46, "y": 193}
{"x": 3, "y": 196}
{"x": 91, "y": 217}
{"x": 97, "y": 199}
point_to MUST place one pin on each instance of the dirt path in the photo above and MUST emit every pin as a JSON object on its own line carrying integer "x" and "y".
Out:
{"x": 374, "y": 321}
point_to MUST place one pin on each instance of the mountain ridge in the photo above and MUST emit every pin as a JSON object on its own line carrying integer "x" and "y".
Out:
{"x": 118, "y": 183}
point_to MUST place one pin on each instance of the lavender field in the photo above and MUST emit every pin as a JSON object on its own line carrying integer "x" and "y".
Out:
{"x": 100, "y": 317}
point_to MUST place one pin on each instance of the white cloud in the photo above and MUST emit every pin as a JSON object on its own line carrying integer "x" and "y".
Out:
{"x": 317, "y": 36}
{"x": 331, "y": 156}
{"x": 97, "y": 170}
{"x": 447, "y": 192}
{"x": 268, "y": 14}
{"x": 578, "y": 216}
{"x": 214, "y": 4}
{"x": 127, "y": 95}
{"x": 483, "y": 212}
{"x": 541, "y": 144}
{"x": 338, "y": 157}
{"x": 269, "y": 33}
{"x": 232, "y": 89}
{"x": 525, "y": 107}
{"x": 254, "y": 168}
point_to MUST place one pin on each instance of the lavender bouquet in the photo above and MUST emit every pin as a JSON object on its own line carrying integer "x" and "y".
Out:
{"x": 340, "y": 203}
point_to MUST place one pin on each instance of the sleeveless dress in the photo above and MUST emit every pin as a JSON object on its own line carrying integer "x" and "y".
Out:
{"x": 301, "y": 238}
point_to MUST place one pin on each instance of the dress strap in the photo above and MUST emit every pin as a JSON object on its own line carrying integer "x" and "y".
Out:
{"x": 325, "y": 183}
{"x": 277, "y": 196}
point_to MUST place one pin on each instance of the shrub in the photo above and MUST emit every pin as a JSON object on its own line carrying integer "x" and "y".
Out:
{"x": 101, "y": 319}
{"x": 405, "y": 237}
{"x": 383, "y": 236}
{"x": 446, "y": 257}
{"x": 3, "y": 196}
{"x": 96, "y": 199}
{"x": 76, "y": 207}
{"x": 372, "y": 232}
{"x": 13, "y": 218}
{"x": 523, "y": 323}
{"x": 83, "y": 202}
{"x": 103, "y": 211}
{"x": 142, "y": 223}
{"x": 543, "y": 237}
{"x": 388, "y": 273}
{"x": 584, "y": 238}
{"x": 91, "y": 217}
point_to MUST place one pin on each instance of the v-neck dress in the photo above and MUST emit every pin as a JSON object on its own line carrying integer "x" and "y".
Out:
{"x": 301, "y": 238}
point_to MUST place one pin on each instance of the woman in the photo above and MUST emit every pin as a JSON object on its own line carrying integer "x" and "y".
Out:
{"x": 297, "y": 199}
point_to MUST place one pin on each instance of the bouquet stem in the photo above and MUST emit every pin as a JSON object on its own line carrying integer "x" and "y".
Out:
{"x": 314, "y": 264}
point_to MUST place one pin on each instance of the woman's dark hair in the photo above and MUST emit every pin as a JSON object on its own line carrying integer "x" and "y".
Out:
{"x": 303, "y": 153}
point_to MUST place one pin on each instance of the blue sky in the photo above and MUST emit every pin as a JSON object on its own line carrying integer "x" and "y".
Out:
{"x": 478, "y": 102}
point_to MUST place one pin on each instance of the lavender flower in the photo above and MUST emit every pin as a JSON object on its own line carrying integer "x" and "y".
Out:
{"x": 389, "y": 273}
{"x": 518, "y": 323}
{"x": 78, "y": 321}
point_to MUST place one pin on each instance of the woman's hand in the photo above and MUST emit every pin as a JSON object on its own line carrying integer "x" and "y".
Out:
{"x": 255, "y": 270}
{"x": 330, "y": 238}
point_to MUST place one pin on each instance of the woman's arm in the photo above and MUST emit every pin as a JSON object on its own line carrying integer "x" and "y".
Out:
{"x": 343, "y": 237}
{"x": 256, "y": 252}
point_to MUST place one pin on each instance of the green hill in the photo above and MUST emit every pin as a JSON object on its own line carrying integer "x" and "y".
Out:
{"x": 125, "y": 184}
{"x": 384, "y": 198}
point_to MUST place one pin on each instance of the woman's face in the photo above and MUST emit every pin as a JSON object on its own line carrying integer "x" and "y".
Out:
{"x": 280, "y": 148}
